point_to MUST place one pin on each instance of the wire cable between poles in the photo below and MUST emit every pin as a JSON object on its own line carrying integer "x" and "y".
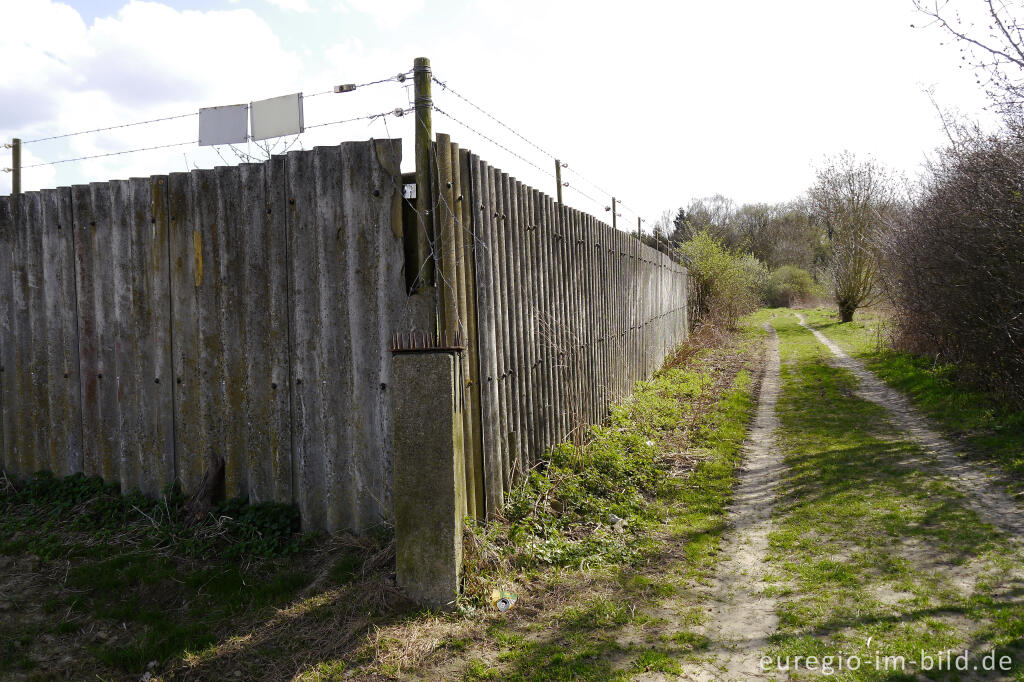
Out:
{"x": 100, "y": 156}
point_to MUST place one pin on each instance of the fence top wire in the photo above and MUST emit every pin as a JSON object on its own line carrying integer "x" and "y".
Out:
{"x": 368, "y": 117}
{"x": 491, "y": 116}
{"x": 397, "y": 77}
{"x": 98, "y": 156}
{"x": 492, "y": 141}
{"x": 512, "y": 130}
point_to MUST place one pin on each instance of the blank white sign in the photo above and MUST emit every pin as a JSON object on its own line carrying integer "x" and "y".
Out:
{"x": 223, "y": 125}
{"x": 276, "y": 116}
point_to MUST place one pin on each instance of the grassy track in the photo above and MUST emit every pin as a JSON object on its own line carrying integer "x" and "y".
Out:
{"x": 968, "y": 415}
{"x": 873, "y": 556}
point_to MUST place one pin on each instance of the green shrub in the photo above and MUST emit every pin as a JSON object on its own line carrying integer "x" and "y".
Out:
{"x": 788, "y": 286}
{"x": 724, "y": 284}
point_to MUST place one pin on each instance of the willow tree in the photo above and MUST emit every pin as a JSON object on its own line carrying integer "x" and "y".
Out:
{"x": 854, "y": 201}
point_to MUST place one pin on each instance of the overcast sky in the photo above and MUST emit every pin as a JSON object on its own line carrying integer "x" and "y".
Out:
{"x": 656, "y": 102}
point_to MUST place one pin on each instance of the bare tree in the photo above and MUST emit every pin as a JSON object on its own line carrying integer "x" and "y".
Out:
{"x": 853, "y": 200}
{"x": 991, "y": 38}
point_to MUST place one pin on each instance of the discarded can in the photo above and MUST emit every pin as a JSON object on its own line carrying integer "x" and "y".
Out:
{"x": 503, "y": 600}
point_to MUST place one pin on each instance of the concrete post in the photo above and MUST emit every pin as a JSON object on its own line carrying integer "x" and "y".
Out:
{"x": 430, "y": 481}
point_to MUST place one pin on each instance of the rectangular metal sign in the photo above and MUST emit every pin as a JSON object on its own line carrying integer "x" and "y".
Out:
{"x": 223, "y": 125}
{"x": 276, "y": 116}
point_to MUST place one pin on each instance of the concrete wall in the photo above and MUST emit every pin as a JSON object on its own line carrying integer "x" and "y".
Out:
{"x": 243, "y": 312}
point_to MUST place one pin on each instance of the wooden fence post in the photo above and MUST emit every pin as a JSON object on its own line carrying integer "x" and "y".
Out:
{"x": 16, "y": 166}
{"x": 424, "y": 135}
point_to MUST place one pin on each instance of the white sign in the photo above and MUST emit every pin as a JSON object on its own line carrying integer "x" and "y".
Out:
{"x": 223, "y": 125}
{"x": 276, "y": 116}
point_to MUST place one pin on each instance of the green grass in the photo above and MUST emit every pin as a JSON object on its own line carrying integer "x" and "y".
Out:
{"x": 129, "y": 568}
{"x": 227, "y": 596}
{"x": 867, "y": 545}
{"x": 987, "y": 426}
{"x": 623, "y": 471}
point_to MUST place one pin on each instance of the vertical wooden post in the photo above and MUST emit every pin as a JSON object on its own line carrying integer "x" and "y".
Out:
{"x": 16, "y": 166}
{"x": 444, "y": 241}
{"x": 468, "y": 194}
{"x": 558, "y": 181}
{"x": 615, "y": 222}
{"x": 424, "y": 135}
{"x": 639, "y": 230}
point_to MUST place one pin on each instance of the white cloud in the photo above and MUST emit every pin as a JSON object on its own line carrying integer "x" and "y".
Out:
{"x": 147, "y": 61}
{"x": 384, "y": 12}
{"x": 290, "y": 5}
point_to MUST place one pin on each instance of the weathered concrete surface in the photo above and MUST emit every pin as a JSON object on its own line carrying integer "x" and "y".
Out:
{"x": 430, "y": 484}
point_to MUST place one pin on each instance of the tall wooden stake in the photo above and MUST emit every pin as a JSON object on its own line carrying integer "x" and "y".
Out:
{"x": 615, "y": 221}
{"x": 558, "y": 181}
{"x": 639, "y": 230}
{"x": 16, "y": 166}
{"x": 424, "y": 136}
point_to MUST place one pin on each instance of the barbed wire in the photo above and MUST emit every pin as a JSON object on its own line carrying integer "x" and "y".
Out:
{"x": 493, "y": 141}
{"x": 368, "y": 117}
{"x": 99, "y": 156}
{"x": 114, "y": 127}
{"x": 400, "y": 77}
{"x": 565, "y": 165}
{"x": 491, "y": 116}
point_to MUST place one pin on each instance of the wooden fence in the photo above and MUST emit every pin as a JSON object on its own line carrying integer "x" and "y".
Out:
{"x": 241, "y": 312}
{"x": 562, "y": 313}
{"x": 247, "y": 313}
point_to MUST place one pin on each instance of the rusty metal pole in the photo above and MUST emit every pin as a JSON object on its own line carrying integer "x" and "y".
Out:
{"x": 424, "y": 136}
{"x": 16, "y": 166}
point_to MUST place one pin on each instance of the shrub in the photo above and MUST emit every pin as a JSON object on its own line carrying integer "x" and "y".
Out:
{"x": 789, "y": 286}
{"x": 957, "y": 261}
{"x": 724, "y": 283}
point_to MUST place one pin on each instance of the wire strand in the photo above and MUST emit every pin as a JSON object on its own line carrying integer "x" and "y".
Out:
{"x": 396, "y": 77}
{"x": 368, "y": 117}
{"x": 494, "y": 118}
{"x": 493, "y": 141}
{"x": 100, "y": 130}
{"x": 483, "y": 111}
{"x": 100, "y": 156}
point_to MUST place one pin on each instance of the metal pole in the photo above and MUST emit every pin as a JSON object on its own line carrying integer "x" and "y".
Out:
{"x": 424, "y": 136}
{"x": 16, "y": 166}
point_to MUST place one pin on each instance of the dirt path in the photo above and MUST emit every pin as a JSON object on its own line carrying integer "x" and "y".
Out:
{"x": 740, "y": 618}
{"x": 981, "y": 486}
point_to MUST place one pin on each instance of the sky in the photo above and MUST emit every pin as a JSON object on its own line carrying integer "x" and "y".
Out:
{"x": 655, "y": 103}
